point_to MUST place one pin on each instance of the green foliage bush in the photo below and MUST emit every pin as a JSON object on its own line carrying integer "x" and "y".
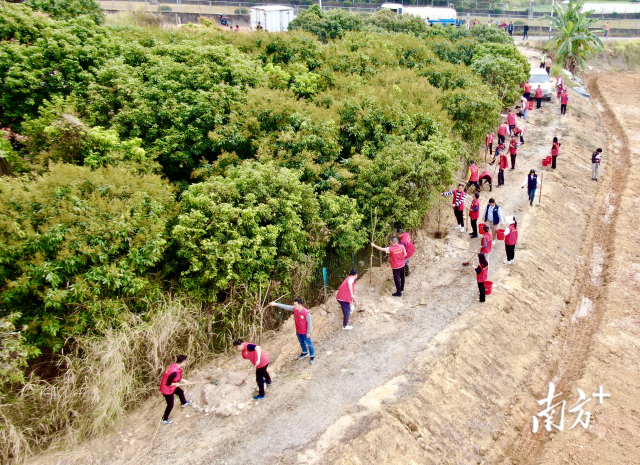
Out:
{"x": 165, "y": 8}
{"x": 241, "y": 11}
{"x": 76, "y": 241}
{"x": 66, "y": 9}
{"x": 326, "y": 25}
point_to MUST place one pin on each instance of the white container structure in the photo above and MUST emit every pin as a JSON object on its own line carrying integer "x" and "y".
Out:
{"x": 272, "y": 18}
{"x": 431, "y": 14}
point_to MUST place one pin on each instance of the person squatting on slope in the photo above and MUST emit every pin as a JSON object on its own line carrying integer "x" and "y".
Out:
{"x": 486, "y": 178}
{"x": 170, "y": 385}
{"x": 532, "y": 184}
{"x": 482, "y": 270}
{"x": 406, "y": 240}
{"x": 397, "y": 254}
{"x": 458, "y": 204}
{"x": 302, "y": 319}
{"x": 259, "y": 359}
{"x": 511, "y": 239}
{"x": 346, "y": 297}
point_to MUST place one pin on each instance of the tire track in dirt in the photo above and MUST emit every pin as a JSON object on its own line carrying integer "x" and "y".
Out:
{"x": 585, "y": 310}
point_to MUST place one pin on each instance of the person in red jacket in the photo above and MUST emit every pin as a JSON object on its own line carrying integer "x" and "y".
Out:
{"x": 302, "y": 320}
{"x": 397, "y": 254}
{"x": 539, "y": 96}
{"x": 474, "y": 214}
{"x": 511, "y": 121}
{"x": 513, "y": 151}
{"x": 559, "y": 84}
{"x": 510, "y": 240}
{"x": 519, "y": 132}
{"x": 564, "y": 100}
{"x": 502, "y": 132}
{"x": 504, "y": 164}
{"x": 259, "y": 359}
{"x": 527, "y": 90}
{"x": 486, "y": 177}
{"x": 170, "y": 385}
{"x": 473, "y": 176}
{"x": 486, "y": 244}
{"x": 458, "y": 204}
{"x": 482, "y": 271}
{"x": 346, "y": 297}
{"x": 406, "y": 240}
{"x": 488, "y": 145}
{"x": 500, "y": 148}
{"x": 555, "y": 151}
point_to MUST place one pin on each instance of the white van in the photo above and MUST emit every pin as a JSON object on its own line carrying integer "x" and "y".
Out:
{"x": 539, "y": 77}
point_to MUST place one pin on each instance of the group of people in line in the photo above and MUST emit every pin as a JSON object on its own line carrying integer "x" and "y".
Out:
{"x": 402, "y": 249}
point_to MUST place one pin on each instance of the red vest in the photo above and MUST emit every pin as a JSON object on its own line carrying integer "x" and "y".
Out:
{"x": 564, "y": 98}
{"x": 487, "y": 237}
{"x": 474, "y": 215}
{"x": 408, "y": 244}
{"x": 555, "y": 149}
{"x": 519, "y": 130}
{"x": 343, "y": 290}
{"x": 253, "y": 356}
{"x": 396, "y": 256}
{"x": 513, "y": 147}
{"x": 502, "y": 130}
{"x": 512, "y": 237}
{"x": 527, "y": 87}
{"x": 539, "y": 92}
{"x": 301, "y": 320}
{"x": 173, "y": 368}
{"x": 503, "y": 161}
{"x": 511, "y": 118}
{"x": 474, "y": 173}
{"x": 458, "y": 197}
{"x": 487, "y": 173}
{"x": 482, "y": 276}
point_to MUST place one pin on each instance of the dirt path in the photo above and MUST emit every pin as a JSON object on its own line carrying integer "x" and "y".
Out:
{"x": 434, "y": 377}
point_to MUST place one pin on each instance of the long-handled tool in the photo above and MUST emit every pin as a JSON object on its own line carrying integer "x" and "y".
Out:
{"x": 467, "y": 263}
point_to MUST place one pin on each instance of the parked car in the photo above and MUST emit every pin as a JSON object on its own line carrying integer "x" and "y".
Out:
{"x": 539, "y": 77}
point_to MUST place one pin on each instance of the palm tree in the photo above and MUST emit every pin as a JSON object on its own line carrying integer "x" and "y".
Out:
{"x": 572, "y": 39}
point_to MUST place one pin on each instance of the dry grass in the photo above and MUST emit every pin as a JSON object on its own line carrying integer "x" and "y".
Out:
{"x": 108, "y": 375}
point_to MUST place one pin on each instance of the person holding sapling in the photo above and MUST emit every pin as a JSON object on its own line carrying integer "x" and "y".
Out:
{"x": 397, "y": 254}
{"x": 303, "y": 324}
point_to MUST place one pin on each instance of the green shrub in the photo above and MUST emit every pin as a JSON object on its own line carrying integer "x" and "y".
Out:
{"x": 165, "y": 9}
{"x": 76, "y": 242}
{"x": 66, "y": 9}
{"x": 347, "y": 3}
{"x": 326, "y": 25}
{"x": 241, "y": 11}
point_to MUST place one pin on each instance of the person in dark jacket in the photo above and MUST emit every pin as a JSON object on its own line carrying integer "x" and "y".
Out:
{"x": 525, "y": 33}
{"x": 532, "y": 184}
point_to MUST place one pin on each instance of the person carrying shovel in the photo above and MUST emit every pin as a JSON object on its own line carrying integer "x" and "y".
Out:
{"x": 258, "y": 358}
{"x": 170, "y": 385}
{"x": 397, "y": 255}
{"x": 302, "y": 318}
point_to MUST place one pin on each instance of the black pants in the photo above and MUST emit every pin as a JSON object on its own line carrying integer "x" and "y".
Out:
{"x": 513, "y": 160}
{"x": 169, "y": 399}
{"x": 262, "y": 375}
{"x": 539, "y": 102}
{"x": 511, "y": 128}
{"x": 500, "y": 139}
{"x": 398, "y": 279}
{"x": 500, "y": 177}
{"x": 525, "y": 35}
{"x": 527, "y": 95}
{"x": 459, "y": 216}
{"x": 548, "y": 71}
{"x": 553, "y": 162}
{"x": 481, "y": 288}
{"x": 521, "y": 139}
{"x": 490, "y": 147}
{"x": 511, "y": 251}
{"x": 346, "y": 311}
{"x": 473, "y": 183}
{"x": 474, "y": 227}
{"x": 486, "y": 180}
{"x": 563, "y": 108}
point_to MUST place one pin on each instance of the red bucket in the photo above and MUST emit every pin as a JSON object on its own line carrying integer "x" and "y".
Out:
{"x": 545, "y": 162}
{"x": 488, "y": 287}
{"x": 500, "y": 233}
{"x": 548, "y": 160}
{"x": 481, "y": 228}
{"x": 531, "y": 105}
